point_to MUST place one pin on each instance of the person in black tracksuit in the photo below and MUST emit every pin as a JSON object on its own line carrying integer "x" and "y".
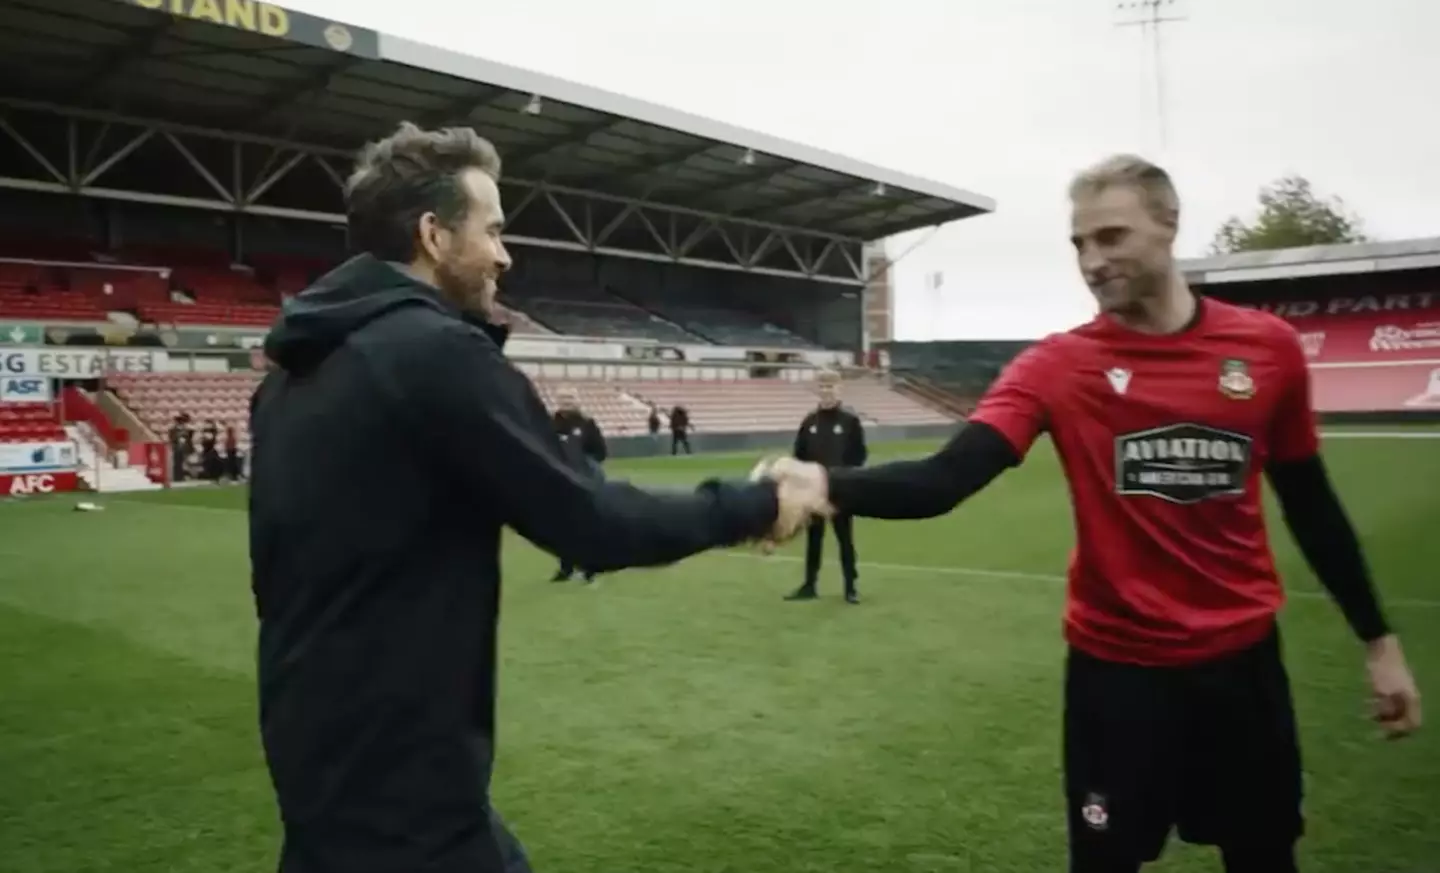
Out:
{"x": 393, "y": 442}
{"x": 831, "y": 436}
{"x": 679, "y": 430}
{"x": 584, "y": 446}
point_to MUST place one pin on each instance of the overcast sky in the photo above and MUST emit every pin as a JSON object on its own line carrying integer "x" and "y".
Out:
{"x": 1009, "y": 99}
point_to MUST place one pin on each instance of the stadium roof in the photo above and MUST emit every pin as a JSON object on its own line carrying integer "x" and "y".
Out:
{"x": 1314, "y": 261}
{"x": 264, "y": 70}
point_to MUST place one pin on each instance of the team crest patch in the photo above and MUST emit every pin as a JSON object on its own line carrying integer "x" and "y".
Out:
{"x": 1095, "y": 813}
{"x": 1235, "y": 381}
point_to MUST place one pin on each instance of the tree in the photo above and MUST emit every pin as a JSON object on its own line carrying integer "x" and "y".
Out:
{"x": 1291, "y": 215}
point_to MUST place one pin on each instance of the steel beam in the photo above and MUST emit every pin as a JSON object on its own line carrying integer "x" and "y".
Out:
{"x": 579, "y": 136}
{"x": 464, "y": 107}
{"x": 32, "y": 151}
{"x": 757, "y": 176}
{"x": 813, "y": 196}
{"x": 289, "y": 94}
{"x": 677, "y": 157}
{"x": 113, "y": 62}
{"x": 735, "y": 232}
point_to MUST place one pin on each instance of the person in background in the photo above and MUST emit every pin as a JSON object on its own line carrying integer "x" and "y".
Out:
{"x": 584, "y": 446}
{"x": 833, "y": 437}
{"x": 680, "y": 430}
{"x": 176, "y": 438}
{"x": 209, "y": 455}
{"x": 653, "y": 422}
{"x": 232, "y": 453}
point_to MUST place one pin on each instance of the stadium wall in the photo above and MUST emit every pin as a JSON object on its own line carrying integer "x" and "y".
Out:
{"x": 646, "y": 446}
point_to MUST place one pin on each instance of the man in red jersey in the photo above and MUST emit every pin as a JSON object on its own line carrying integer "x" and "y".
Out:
{"x": 1164, "y": 410}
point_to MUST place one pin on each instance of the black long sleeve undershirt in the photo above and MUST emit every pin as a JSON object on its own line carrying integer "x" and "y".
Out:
{"x": 1326, "y": 538}
{"x": 975, "y": 456}
{"x": 927, "y": 487}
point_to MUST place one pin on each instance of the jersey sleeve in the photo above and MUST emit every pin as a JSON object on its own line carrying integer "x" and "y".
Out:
{"x": 1293, "y": 432}
{"x": 1016, "y": 404}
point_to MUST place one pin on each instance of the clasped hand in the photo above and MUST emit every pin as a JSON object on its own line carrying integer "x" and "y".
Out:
{"x": 803, "y": 490}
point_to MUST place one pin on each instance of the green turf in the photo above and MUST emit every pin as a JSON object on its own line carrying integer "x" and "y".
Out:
{"x": 682, "y": 719}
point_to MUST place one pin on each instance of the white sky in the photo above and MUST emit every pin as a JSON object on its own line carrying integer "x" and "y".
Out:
{"x": 1008, "y": 99}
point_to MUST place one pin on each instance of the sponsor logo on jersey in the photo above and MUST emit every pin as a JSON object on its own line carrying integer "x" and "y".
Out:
{"x": 1182, "y": 463}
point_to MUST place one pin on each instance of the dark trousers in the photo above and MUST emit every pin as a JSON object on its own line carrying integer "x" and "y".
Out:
{"x": 679, "y": 438}
{"x": 815, "y": 545}
{"x": 1209, "y": 750}
{"x": 567, "y": 568}
{"x": 473, "y": 849}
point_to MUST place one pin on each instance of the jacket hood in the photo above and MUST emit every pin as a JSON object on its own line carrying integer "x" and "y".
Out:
{"x": 318, "y": 321}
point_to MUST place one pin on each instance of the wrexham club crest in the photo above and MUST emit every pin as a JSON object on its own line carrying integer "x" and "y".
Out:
{"x": 1235, "y": 380}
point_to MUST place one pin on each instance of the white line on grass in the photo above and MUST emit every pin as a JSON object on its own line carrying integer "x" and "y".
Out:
{"x": 911, "y": 569}
{"x": 919, "y": 569}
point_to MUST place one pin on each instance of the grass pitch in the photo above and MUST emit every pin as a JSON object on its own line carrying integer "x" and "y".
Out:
{"x": 682, "y": 720}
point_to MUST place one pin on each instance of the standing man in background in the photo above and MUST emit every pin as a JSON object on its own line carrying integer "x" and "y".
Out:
{"x": 831, "y": 436}
{"x": 679, "y": 430}
{"x": 584, "y": 447}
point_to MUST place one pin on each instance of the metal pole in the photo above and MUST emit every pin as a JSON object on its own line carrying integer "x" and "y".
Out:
{"x": 104, "y": 442}
{"x": 1150, "y": 16}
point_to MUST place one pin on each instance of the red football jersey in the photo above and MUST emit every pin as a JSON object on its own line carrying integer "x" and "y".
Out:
{"x": 1163, "y": 440}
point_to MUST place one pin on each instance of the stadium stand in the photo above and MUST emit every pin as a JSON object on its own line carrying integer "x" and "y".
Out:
{"x": 172, "y": 210}
{"x": 590, "y": 311}
{"x": 156, "y": 398}
{"x": 1368, "y": 316}
{"x": 713, "y": 321}
{"x": 30, "y": 422}
{"x": 617, "y": 412}
{"x": 620, "y": 406}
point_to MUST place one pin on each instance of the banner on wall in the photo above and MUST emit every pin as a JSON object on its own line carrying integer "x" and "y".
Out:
{"x": 654, "y": 353}
{"x": 41, "y": 457}
{"x": 28, "y": 484}
{"x": 78, "y": 362}
{"x": 25, "y": 389}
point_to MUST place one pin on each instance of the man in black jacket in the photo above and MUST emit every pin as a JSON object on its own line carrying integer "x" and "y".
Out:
{"x": 679, "y": 429}
{"x": 585, "y": 450}
{"x": 393, "y": 442}
{"x": 833, "y": 437}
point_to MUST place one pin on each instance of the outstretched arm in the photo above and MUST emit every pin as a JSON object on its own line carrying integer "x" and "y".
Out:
{"x": 927, "y": 487}
{"x": 1005, "y": 424}
{"x": 489, "y": 432}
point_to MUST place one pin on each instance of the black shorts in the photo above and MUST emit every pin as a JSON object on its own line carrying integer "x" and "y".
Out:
{"x": 1210, "y": 750}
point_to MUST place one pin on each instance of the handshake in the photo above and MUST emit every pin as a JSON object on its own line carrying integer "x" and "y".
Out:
{"x": 803, "y": 490}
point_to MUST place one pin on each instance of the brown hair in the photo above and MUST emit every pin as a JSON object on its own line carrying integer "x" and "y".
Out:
{"x": 407, "y": 174}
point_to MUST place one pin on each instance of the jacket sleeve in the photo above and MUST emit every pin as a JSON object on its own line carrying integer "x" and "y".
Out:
{"x": 802, "y": 439}
{"x": 487, "y": 430}
{"x": 856, "y": 452}
{"x": 595, "y": 445}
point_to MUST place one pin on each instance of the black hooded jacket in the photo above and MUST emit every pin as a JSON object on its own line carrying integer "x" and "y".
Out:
{"x": 392, "y": 443}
